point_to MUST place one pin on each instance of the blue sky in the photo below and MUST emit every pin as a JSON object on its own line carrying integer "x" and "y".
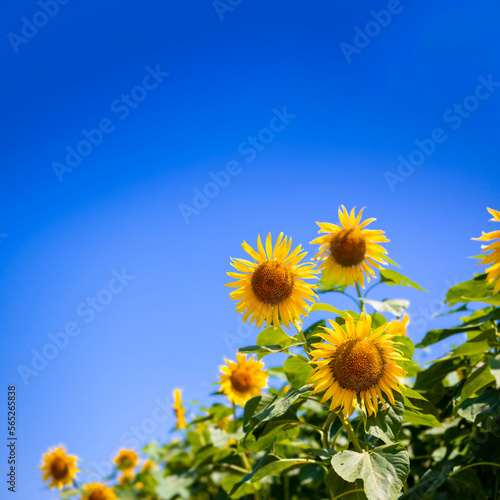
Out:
{"x": 303, "y": 111}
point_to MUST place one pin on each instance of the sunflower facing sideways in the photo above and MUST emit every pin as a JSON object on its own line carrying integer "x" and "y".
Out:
{"x": 350, "y": 251}
{"x": 126, "y": 459}
{"x": 96, "y": 491}
{"x": 356, "y": 362}
{"x": 242, "y": 380}
{"x": 272, "y": 287}
{"x": 59, "y": 467}
{"x": 493, "y": 258}
{"x": 180, "y": 412}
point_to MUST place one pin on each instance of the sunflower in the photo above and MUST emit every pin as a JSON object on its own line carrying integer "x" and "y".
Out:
{"x": 179, "y": 410}
{"x": 272, "y": 287}
{"x": 352, "y": 362}
{"x": 243, "y": 380}
{"x": 59, "y": 467}
{"x": 492, "y": 258}
{"x": 398, "y": 327}
{"x": 147, "y": 466}
{"x": 126, "y": 477}
{"x": 96, "y": 491}
{"x": 349, "y": 252}
{"x": 126, "y": 459}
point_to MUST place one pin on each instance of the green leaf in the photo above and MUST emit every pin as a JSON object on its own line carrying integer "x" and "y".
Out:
{"x": 394, "y": 278}
{"x": 311, "y": 334}
{"x": 479, "y": 344}
{"x": 465, "y": 485}
{"x": 173, "y": 486}
{"x": 475, "y": 410}
{"x": 430, "y": 482}
{"x": 273, "y": 337}
{"x": 70, "y": 493}
{"x": 388, "y": 422}
{"x": 475, "y": 290}
{"x": 297, "y": 370}
{"x": 263, "y": 350}
{"x": 279, "y": 466}
{"x": 417, "y": 419}
{"x": 475, "y": 382}
{"x": 254, "y": 407}
{"x": 319, "y": 306}
{"x": 428, "y": 378}
{"x": 235, "y": 488}
{"x": 280, "y": 405}
{"x": 434, "y": 336}
{"x": 410, "y": 393}
{"x": 393, "y": 306}
{"x": 495, "y": 368}
{"x": 383, "y": 469}
{"x": 243, "y": 490}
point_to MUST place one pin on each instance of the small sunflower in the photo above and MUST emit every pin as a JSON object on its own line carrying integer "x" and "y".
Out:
{"x": 356, "y": 362}
{"x": 493, "y": 258}
{"x": 59, "y": 467}
{"x": 272, "y": 287}
{"x": 126, "y": 459}
{"x": 126, "y": 476}
{"x": 147, "y": 466}
{"x": 242, "y": 380}
{"x": 398, "y": 327}
{"x": 179, "y": 410}
{"x": 96, "y": 491}
{"x": 349, "y": 252}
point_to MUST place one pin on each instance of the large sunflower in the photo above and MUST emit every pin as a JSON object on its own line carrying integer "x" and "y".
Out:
{"x": 494, "y": 257}
{"x": 242, "y": 380}
{"x": 96, "y": 491}
{"x": 349, "y": 252}
{"x": 59, "y": 467}
{"x": 126, "y": 459}
{"x": 272, "y": 287}
{"x": 179, "y": 410}
{"x": 354, "y": 361}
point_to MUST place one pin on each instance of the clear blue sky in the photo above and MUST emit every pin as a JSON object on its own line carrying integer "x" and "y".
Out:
{"x": 303, "y": 109}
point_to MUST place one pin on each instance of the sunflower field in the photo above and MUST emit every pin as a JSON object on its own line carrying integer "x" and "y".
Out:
{"x": 348, "y": 414}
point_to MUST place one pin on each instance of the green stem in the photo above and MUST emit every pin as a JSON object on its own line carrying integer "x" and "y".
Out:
{"x": 372, "y": 287}
{"x": 474, "y": 465}
{"x": 246, "y": 463}
{"x": 235, "y": 421}
{"x": 361, "y": 304}
{"x": 326, "y": 429}
{"x": 302, "y": 337}
{"x": 352, "y": 436}
{"x": 286, "y": 486}
{"x": 348, "y": 493}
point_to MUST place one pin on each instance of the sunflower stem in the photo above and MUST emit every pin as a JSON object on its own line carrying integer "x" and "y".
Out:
{"x": 361, "y": 303}
{"x": 302, "y": 337}
{"x": 326, "y": 429}
{"x": 235, "y": 424}
{"x": 352, "y": 436}
{"x": 246, "y": 463}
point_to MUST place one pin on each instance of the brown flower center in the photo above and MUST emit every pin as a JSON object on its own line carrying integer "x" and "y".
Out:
{"x": 58, "y": 468}
{"x": 241, "y": 380}
{"x": 357, "y": 365}
{"x": 348, "y": 247}
{"x": 98, "y": 495}
{"x": 272, "y": 283}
